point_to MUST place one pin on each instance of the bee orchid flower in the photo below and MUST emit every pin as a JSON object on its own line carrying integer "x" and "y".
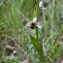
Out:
{"x": 33, "y": 23}
{"x": 40, "y": 6}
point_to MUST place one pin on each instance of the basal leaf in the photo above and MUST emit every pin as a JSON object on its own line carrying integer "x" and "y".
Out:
{"x": 38, "y": 48}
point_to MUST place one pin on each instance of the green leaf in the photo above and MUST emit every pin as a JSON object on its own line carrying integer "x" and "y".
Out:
{"x": 38, "y": 48}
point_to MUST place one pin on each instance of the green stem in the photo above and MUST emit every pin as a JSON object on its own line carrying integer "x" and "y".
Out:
{"x": 37, "y": 12}
{"x": 37, "y": 33}
{"x": 52, "y": 20}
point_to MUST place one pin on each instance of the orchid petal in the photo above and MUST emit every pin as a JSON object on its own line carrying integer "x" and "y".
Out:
{"x": 38, "y": 25}
{"x": 34, "y": 19}
{"x": 43, "y": 8}
{"x": 28, "y": 24}
{"x": 40, "y": 4}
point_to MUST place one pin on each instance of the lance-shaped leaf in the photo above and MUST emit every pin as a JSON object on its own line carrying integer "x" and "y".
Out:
{"x": 38, "y": 48}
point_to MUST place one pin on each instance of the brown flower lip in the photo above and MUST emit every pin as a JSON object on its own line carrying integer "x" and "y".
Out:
{"x": 32, "y": 25}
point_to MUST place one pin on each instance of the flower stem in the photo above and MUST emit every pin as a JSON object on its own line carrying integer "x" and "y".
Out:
{"x": 37, "y": 14}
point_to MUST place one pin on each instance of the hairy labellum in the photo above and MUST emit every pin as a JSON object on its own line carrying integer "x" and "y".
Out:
{"x": 32, "y": 26}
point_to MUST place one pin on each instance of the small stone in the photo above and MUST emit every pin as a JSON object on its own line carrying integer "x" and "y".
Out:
{"x": 14, "y": 52}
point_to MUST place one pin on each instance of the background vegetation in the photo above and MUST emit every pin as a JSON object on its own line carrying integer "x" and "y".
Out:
{"x": 14, "y": 15}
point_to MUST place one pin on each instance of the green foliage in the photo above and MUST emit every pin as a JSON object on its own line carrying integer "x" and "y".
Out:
{"x": 38, "y": 48}
{"x": 14, "y": 14}
{"x": 10, "y": 60}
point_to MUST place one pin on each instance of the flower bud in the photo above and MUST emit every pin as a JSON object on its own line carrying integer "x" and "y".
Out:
{"x": 40, "y": 4}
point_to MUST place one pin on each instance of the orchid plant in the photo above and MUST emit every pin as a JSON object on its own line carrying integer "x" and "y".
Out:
{"x": 34, "y": 23}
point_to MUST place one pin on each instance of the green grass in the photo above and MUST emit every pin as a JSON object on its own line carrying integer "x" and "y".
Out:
{"x": 13, "y": 16}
